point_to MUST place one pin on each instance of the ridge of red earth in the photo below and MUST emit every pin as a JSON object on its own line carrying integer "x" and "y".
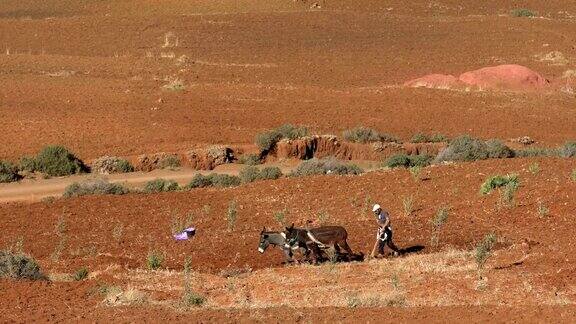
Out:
{"x": 510, "y": 77}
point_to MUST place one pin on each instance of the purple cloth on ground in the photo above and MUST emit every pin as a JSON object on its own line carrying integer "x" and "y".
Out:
{"x": 185, "y": 234}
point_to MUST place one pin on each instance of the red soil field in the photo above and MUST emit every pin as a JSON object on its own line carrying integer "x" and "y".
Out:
{"x": 91, "y": 76}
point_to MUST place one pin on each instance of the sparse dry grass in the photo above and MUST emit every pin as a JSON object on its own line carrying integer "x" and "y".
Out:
{"x": 445, "y": 278}
{"x": 115, "y": 296}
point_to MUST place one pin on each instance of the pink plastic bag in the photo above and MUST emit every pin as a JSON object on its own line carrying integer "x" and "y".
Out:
{"x": 185, "y": 234}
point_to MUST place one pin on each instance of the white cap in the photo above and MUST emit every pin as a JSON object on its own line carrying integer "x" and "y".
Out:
{"x": 375, "y": 208}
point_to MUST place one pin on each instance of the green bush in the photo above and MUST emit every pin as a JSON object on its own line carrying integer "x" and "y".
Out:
{"x": 169, "y": 162}
{"x": 498, "y": 150}
{"x": 8, "y": 172}
{"x": 94, "y": 187}
{"x": 484, "y": 249}
{"x": 81, "y": 274}
{"x": 249, "y": 159}
{"x": 111, "y": 164}
{"x": 161, "y": 185}
{"x": 366, "y": 135}
{"x": 192, "y": 299}
{"x": 344, "y": 169}
{"x": 19, "y": 266}
{"x": 199, "y": 181}
{"x": 154, "y": 260}
{"x": 536, "y": 152}
{"x": 213, "y": 180}
{"x": 499, "y": 181}
{"x": 124, "y": 166}
{"x": 510, "y": 183}
{"x": 27, "y": 164}
{"x": 270, "y": 173}
{"x": 325, "y": 166}
{"x": 54, "y": 161}
{"x": 568, "y": 150}
{"x": 224, "y": 180}
{"x": 307, "y": 168}
{"x": 420, "y": 160}
{"x": 466, "y": 148}
{"x": 408, "y": 161}
{"x": 398, "y": 160}
{"x": 438, "y": 138}
{"x": 249, "y": 174}
{"x": 425, "y": 138}
{"x": 523, "y": 12}
{"x": 267, "y": 140}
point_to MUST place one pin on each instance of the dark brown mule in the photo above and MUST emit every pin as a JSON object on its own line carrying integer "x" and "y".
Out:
{"x": 319, "y": 238}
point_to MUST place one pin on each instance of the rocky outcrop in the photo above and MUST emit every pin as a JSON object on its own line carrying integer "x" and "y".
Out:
{"x": 508, "y": 77}
{"x": 149, "y": 162}
{"x": 328, "y": 145}
{"x": 109, "y": 165}
{"x": 505, "y": 77}
{"x": 209, "y": 158}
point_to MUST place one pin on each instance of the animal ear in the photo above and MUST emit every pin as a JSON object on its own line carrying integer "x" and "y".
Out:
{"x": 292, "y": 226}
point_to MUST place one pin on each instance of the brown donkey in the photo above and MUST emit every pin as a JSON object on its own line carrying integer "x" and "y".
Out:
{"x": 319, "y": 238}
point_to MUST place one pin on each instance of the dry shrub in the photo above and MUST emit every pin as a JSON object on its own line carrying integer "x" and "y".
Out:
{"x": 160, "y": 185}
{"x": 111, "y": 164}
{"x": 158, "y": 161}
{"x": 425, "y": 138}
{"x": 224, "y": 180}
{"x": 325, "y": 166}
{"x": 94, "y": 187}
{"x": 568, "y": 150}
{"x": 523, "y": 12}
{"x": 249, "y": 159}
{"x": 115, "y": 296}
{"x": 484, "y": 249}
{"x": 154, "y": 260}
{"x": 408, "y": 161}
{"x": 8, "y": 172}
{"x": 251, "y": 174}
{"x": 270, "y": 173}
{"x": 466, "y": 148}
{"x": 367, "y": 135}
{"x": 371, "y": 301}
{"x": 81, "y": 274}
{"x": 17, "y": 265}
{"x": 213, "y": 180}
{"x": 54, "y": 161}
{"x": 267, "y": 140}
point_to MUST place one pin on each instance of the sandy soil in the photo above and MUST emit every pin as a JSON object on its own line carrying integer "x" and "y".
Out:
{"x": 530, "y": 267}
{"x": 96, "y": 77}
{"x": 91, "y": 76}
{"x": 39, "y": 188}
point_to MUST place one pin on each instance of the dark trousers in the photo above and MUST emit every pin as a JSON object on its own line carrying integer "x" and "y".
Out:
{"x": 387, "y": 241}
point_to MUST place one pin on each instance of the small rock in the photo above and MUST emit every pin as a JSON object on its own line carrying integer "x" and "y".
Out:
{"x": 524, "y": 140}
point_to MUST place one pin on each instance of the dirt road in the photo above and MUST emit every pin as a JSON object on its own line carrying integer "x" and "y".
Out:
{"x": 37, "y": 189}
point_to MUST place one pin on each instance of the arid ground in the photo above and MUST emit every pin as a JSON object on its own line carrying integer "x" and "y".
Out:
{"x": 130, "y": 77}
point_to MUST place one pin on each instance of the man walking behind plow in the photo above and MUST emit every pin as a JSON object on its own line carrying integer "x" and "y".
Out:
{"x": 384, "y": 233}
